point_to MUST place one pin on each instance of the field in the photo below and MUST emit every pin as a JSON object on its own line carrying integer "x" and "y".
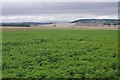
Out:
{"x": 60, "y": 53}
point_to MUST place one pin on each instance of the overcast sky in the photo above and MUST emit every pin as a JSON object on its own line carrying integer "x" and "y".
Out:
{"x": 58, "y": 11}
{"x": 60, "y": 0}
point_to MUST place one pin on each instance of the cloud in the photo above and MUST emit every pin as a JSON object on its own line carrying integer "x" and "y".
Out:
{"x": 58, "y": 8}
{"x": 60, "y": 1}
{"x": 36, "y": 11}
{"x": 58, "y": 17}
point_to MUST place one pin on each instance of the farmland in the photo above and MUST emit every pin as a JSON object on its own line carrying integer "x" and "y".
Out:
{"x": 60, "y": 53}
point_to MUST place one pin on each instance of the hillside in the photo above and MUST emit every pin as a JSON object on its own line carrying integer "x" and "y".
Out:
{"x": 101, "y": 21}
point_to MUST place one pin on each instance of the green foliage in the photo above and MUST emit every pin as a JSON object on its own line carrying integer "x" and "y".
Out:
{"x": 60, "y": 53}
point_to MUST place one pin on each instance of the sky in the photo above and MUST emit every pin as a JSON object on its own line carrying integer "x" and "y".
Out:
{"x": 60, "y": 0}
{"x": 57, "y": 11}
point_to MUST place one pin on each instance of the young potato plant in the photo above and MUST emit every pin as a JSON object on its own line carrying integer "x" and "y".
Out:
{"x": 60, "y": 53}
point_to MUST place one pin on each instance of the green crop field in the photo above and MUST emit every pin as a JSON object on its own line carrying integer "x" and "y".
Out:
{"x": 60, "y": 53}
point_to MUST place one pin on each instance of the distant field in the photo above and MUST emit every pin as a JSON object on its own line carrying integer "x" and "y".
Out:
{"x": 58, "y": 26}
{"x": 60, "y": 53}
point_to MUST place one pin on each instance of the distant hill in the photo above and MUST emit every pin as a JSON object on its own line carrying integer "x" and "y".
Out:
{"x": 99, "y": 21}
{"x": 22, "y": 24}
